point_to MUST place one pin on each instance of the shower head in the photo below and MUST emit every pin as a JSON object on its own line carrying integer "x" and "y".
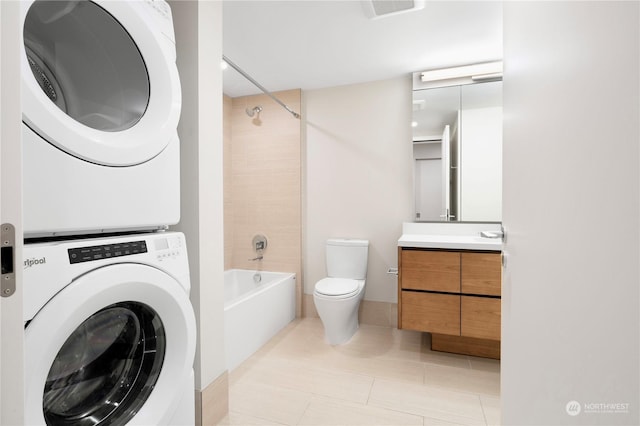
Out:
{"x": 251, "y": 112}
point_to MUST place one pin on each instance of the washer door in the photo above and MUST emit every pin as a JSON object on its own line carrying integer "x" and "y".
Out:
{"x": 110, "y": 348}
{"x": 99, "y": 79}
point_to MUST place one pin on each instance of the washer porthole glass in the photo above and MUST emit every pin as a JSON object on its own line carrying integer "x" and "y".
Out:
{"x": 107, "y": 368}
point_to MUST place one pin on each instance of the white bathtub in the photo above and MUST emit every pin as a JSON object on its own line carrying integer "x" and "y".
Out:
{"x": 255, "y": 311}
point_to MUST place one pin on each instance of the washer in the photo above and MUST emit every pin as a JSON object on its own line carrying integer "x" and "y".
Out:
{"x": 110, "y": 333}
{"x": 101, "y": 101}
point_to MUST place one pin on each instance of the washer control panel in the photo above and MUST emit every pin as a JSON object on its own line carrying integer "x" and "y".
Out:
{"x": 106, "y": 251}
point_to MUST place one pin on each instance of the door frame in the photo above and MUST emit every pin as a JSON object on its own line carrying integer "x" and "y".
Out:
{"x": 11, "y": 328}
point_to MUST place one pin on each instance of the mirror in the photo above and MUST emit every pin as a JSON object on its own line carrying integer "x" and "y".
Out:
{"x": 457, "y": 151}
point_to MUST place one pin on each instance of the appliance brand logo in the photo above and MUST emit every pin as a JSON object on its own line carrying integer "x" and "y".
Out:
{"x": 28, "y": 263}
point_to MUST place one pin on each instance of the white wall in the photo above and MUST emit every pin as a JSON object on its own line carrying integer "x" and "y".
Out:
{"x": 198, "y": 28}
{"x": 358, "y": 175}
{"x": 570, "y": 302}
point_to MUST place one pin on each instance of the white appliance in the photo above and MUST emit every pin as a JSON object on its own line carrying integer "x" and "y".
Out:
{"x": 101, "y": 100}
{"x": 110, "y": 333}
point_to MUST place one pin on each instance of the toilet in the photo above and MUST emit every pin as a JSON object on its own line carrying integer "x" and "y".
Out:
{"x": 338, "y": 296}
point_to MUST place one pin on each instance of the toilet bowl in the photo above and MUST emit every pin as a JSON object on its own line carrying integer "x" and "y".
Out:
{"x": 337, "y": 297}
{"x": 339, "y": 312}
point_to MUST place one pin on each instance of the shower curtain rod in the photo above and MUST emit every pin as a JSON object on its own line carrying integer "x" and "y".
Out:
{"x": 259, "y": 86}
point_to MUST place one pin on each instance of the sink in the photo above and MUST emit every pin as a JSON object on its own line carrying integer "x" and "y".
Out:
{"x": 448, "y": 235}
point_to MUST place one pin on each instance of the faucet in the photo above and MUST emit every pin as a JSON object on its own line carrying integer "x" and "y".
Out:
{"x": 259, "y": 246}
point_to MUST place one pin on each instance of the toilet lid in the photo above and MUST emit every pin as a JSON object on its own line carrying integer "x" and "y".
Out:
{"x": 336, "y": 286}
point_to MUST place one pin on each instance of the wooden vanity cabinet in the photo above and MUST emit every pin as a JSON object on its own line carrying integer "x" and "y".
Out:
{"x": 435, "y": 312}
{"x": 431, "y": 270}
{"x": 481, "y": 273}
{"x": 480, "y": 317}
{"x": 453, "y": 294}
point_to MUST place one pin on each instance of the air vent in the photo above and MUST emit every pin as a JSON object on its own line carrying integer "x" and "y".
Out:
{"x": 381, "y": 8}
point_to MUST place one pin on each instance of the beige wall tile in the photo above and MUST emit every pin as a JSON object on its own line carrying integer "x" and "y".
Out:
{"x": 263, "y": 194}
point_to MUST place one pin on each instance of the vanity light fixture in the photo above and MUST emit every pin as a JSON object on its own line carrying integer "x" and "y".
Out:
{"x": 466, "y": 74}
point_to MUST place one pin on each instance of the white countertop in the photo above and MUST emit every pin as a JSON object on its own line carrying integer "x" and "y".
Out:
{"x": 457, "y": 236}
{"x": 458, "y": 242}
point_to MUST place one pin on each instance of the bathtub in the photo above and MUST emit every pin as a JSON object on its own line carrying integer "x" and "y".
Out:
{"x": 257, "y": 305}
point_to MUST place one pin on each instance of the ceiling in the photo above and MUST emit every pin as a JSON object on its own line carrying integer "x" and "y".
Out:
{"x": 310, "y": 44}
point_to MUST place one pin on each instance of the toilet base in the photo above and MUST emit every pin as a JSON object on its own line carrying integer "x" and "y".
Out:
{"x": 339, "y": 318}
{"x": 344, "y": 336}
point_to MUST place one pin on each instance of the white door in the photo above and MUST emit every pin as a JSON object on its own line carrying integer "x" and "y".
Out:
{"x": 445, "y": 213}
{"x": 570, "y": 301}
{"x": 11, "y": 333}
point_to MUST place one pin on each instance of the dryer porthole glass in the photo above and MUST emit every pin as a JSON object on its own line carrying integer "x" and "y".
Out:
{"x": 86, "y": 63}
{"x": 107, "y": 368}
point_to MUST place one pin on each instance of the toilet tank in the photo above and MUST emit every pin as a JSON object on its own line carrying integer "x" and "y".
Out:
{"x": 347, "y": 258}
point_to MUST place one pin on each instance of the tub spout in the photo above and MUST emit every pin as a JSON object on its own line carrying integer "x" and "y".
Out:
{"x": 256, "y": 258}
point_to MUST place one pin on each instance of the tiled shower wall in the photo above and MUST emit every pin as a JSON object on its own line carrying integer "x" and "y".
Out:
{"x": 262, "y": 184}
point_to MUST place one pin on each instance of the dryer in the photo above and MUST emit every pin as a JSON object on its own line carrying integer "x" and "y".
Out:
{"x": 101, "y": 101}
{"x": 110, "y": 333}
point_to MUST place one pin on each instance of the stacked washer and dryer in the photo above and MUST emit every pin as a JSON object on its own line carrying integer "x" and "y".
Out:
{"x": 110, "y": 332}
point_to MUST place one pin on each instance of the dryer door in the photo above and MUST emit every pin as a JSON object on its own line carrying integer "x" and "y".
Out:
{"x": 112, "y": 347}
{"x": 99, "y": 78}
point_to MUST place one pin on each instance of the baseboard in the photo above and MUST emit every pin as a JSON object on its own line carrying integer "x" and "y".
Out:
{"x": 212, "y": 404}
{"x": 384, "y": 314}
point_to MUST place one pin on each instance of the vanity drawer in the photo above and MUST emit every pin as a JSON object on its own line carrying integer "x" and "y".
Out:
{"x": 433, "y": 312}
{"x": 481, "y": 273}
{"x": 430, "y": 270}
{"x": 480, "y": 317}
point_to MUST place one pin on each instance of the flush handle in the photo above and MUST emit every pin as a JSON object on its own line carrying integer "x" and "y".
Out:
{"x": 7, "y": 260}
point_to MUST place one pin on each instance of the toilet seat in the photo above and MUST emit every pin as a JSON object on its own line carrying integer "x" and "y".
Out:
{"x": 337, "y": 287}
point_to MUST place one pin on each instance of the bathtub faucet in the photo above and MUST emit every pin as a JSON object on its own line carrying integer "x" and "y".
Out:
{"x": 256, "y": 258}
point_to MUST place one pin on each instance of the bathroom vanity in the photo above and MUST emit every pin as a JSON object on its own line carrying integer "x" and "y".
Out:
{"x": 449, "y": 284}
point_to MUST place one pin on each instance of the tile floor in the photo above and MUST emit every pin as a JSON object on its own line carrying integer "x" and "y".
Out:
{"x": 383, "y": 376}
